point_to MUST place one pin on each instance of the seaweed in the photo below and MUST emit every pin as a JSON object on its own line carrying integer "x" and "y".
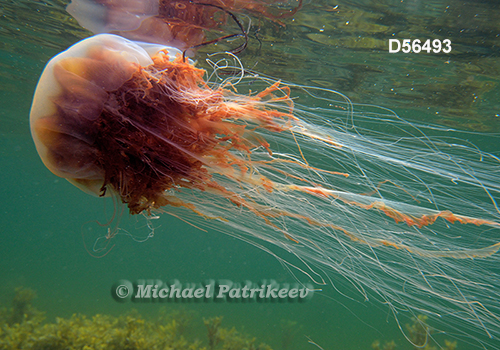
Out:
{"x": 23, "y": 328}
{"x": 289, "y": 329}
{"x": 419, "y": 334}
{"x": 229, "y": 339}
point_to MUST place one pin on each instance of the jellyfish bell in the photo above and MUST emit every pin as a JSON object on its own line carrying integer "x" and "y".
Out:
{"x": 70, "y": 96}
{"x": 405, "y": 218}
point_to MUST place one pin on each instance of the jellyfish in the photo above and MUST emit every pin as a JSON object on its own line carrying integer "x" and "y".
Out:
{"x": 181, "y": 23}
{"x": 363, "y": 200}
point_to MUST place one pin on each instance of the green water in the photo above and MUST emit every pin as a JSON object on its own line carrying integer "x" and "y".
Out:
{"x": 338, "y": 45}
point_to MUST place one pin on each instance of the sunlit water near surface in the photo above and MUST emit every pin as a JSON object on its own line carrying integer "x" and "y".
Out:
{"x": 337, "y": 45}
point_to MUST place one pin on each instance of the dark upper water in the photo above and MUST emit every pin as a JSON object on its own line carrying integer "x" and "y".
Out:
{"x": 338, "y": 45}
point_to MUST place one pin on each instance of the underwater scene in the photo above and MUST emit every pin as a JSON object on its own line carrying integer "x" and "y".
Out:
{"x": 250, "y": 174}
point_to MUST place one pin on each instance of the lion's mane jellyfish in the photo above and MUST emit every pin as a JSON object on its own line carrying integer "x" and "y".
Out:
{"x": 405, "y": 217}
{"x": 180, "y": 23}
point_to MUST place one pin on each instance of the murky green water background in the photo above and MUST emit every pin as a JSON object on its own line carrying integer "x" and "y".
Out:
{"x": 338, "y": 45}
